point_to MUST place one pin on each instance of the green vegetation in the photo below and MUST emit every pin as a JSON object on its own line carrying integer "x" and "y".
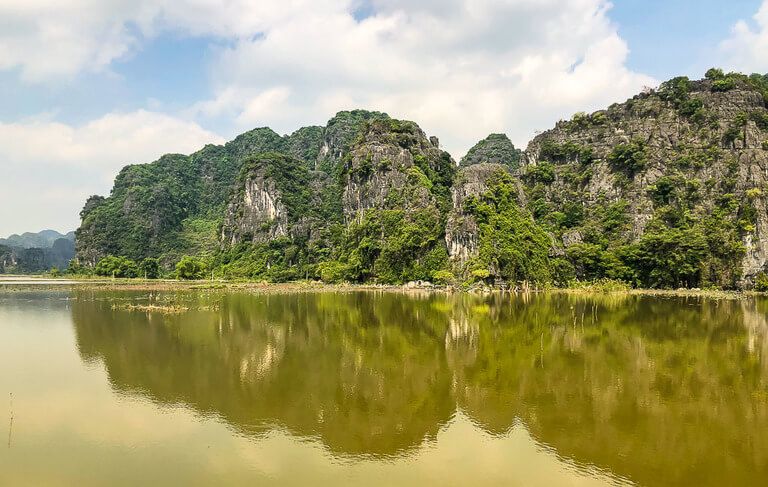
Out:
{"x": 112, "y": 266}
{"x": 191, "y": 268}
{"x": 495, "y": 149}
{"x": 567, "y": 151}
{"x": 630, "y": 157}
{"x": 512, "y": 245}
{"x": 149, "y": 268}
{"x": 650, "y": 193}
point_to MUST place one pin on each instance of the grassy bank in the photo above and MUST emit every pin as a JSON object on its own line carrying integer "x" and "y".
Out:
{"x": 11, "y": 283}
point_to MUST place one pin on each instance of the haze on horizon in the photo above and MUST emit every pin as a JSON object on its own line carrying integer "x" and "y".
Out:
{"x": 88, "y": 87}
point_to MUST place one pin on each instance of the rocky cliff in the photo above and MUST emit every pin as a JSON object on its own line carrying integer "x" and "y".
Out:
{"x": 177, "y": 204}
{"x": 461, "y": 231}
{"x": 394, "y": 165}
{"x": 678, "y": 173}
{"x": 664, "y": 190}
{"x": 374, "y": 208}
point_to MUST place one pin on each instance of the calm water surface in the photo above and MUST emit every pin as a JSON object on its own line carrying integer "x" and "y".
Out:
{"x": 381, "y": 389}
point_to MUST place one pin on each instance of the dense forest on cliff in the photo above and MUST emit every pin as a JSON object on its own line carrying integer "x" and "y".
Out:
{"x": 664, "y": 190}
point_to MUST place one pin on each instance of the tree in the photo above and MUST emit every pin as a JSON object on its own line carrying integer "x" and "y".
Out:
{"x": 191, "y": 268}
{"x": 149, "y": 268}
{"x": 512, "y": 246}
{"x": 112, "y": 266}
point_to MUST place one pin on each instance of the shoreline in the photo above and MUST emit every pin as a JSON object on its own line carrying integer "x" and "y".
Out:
{"x": 28, "y": 283}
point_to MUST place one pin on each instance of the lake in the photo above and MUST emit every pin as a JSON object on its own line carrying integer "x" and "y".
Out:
{"x": 381, "y": 388}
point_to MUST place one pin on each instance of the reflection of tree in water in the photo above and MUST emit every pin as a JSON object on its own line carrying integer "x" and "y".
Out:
{"x": 364, "y": 373}
{"x": 658, "y": 390}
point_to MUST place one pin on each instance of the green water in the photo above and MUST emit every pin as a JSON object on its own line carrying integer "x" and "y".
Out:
{"x": 381, "y": 389}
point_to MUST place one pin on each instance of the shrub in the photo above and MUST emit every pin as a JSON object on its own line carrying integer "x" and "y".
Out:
{"x": 629, "y": 157}
{"x": 714, "y": 74}
{"x": 480, "y": 274}
{"x": 543, "y": 172}
{"x": 112, "y": 266}
{"x": 725, "y": 84}
{"x": 443, "y": 277}
{"x": 191, "y": 268}
{"x": 761, "y": 282}
{"x": 149, "y": 268}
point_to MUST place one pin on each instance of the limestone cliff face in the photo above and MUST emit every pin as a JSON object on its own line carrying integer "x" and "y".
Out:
{"x": 257, "y": 214}
{"x": 389, "y": 167}
{"x": 274, "y": 200}
{"x": 339, "y": 135}
{"x": 687, "y": 135}
{"x": 461, "y": 232}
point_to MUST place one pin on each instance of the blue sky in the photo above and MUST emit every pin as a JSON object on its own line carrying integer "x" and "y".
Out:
{"x": 667, "y": 38}
{"x": 87, "y": 86}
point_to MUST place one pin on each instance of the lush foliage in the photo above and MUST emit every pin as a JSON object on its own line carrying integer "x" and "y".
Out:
{"x": 149, "y": 268}
{"x": 112, "y": 266}
{"x": 603, "y": 198}
{"x": 630, "y": 157}
{"x": 512, "y": 246}
{"x": 191, "y": 268}
{"x": 496, "y": 149}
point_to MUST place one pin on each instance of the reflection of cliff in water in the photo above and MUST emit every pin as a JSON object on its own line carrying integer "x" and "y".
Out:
{"x": 640, "y": 386}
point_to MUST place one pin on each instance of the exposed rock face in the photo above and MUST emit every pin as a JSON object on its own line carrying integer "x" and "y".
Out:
{"x": 672, "y": 169}
{"x": 391, "y": 158}
{"x": 273, "y": 197}
{"x": 257, "y": 214}
{"x": 339, "y": 135}
{"x": 494, "y": 149}
{"x": 715, "y": 149}
{"x": 461, "y": 232}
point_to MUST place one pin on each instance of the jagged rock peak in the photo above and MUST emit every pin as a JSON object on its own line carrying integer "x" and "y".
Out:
{"x": 388, "y": 157}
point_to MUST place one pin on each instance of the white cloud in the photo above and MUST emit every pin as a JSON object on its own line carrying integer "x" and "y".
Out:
{"x": 50, "y": 168}
{"x": 49, "y": 39}
{"x": 746, "y": 49}
{"x": 460, "y": 68}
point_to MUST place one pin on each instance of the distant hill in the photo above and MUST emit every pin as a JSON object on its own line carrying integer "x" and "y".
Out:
{"x": 36, "y": 252}
{"x": 40, "y": 240}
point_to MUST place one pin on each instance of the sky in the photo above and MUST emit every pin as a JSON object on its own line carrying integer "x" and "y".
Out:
{"x": 88, "y": 86}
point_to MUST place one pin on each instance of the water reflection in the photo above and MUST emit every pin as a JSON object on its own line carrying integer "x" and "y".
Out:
{"x": 660, "y": 391}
